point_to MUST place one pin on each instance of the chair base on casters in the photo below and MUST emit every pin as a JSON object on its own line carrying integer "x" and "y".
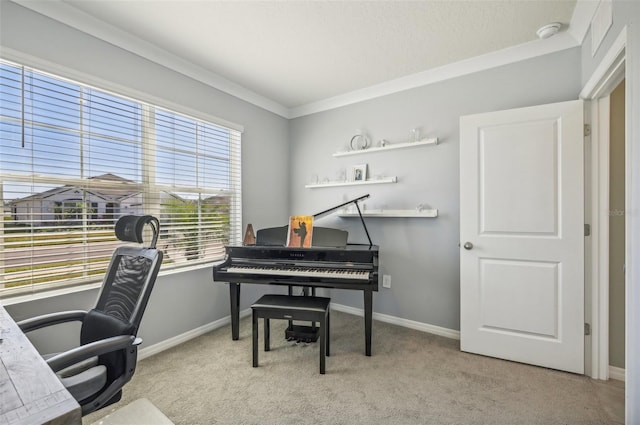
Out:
{"x": 289, "y": 307}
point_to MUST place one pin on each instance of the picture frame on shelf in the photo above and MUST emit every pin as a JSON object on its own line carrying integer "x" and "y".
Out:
{"x": 358, "y": 173}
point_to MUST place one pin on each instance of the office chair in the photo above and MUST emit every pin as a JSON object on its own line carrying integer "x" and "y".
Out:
{"x": 95, "y": 372}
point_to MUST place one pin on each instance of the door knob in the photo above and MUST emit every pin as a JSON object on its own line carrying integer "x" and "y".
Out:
{"x": 468, "y": 245}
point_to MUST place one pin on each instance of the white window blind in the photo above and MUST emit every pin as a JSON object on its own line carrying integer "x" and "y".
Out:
{"x": 75, "y": 158}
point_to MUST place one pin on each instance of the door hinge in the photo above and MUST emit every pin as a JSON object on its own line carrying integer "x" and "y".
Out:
{"x": 587, "y": 329}
{"x": 587, "y": 130}
{"x": 587, "y": 230}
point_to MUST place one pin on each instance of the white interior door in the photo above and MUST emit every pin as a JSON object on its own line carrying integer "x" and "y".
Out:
{"x": 522, "y": 235}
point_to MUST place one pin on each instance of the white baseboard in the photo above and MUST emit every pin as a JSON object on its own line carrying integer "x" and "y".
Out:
{"x": 411, "y": 324}
{"x": 184, "y": 337}
{"x": 616, "y": 373}
{"x": 194, "y": 333}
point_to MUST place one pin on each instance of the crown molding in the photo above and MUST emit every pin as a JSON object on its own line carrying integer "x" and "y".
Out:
{"x": 506, "y": 56}
{"x": 67, "y": 14}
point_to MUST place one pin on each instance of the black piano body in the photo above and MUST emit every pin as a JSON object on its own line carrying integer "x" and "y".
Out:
{"x": 352, "y": 267}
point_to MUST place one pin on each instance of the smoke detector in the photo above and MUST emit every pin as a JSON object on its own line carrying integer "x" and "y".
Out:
{"x": 548, "y": 30}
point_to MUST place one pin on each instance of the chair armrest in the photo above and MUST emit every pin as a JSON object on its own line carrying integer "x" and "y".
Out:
{"x": 45, "y": 320}
{"x": 92, "y": 349}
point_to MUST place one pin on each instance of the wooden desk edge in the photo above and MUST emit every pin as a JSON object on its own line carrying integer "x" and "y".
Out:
{"x": 55, "y": 408}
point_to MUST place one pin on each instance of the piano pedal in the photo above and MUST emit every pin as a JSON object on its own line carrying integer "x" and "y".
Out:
{"x": 301, "y": 334}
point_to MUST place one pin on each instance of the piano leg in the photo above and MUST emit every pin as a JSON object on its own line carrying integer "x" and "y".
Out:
{"x": 234, "y": 296}
{"x": 368, "y": 313}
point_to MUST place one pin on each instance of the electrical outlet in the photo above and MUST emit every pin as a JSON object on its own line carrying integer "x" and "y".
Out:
{"x": 386, "y": 280}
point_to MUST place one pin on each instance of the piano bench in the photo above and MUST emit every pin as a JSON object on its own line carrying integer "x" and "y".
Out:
{"x": 290, "y": 307}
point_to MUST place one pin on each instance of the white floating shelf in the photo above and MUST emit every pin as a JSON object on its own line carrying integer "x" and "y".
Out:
{"x": 391, "y": 213}
{"x": 382, "y": 180}
{"x": 423, "y": 142}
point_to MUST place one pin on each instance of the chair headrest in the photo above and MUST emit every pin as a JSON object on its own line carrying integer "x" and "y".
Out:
{"x": 129, "y": 228}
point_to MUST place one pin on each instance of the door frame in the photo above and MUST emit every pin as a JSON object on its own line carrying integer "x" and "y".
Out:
{"x": 616, "y": 65}
{"x": 597, "y": 90}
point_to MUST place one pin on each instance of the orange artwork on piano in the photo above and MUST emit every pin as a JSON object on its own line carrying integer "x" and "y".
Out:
{"x": 300, "y": 231}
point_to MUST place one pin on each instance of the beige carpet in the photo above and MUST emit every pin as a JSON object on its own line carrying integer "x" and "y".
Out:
{"x": 412, "y": 378}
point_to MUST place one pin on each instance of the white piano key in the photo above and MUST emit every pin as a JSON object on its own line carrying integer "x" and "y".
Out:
{"x": 320, "y": 273}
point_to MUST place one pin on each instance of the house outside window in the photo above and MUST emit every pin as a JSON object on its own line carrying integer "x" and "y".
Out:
{"x": 72, "y": 210}
{"x": 93, "y": 211}
{"x": 112, "y": 209}
{"x": 73, "y": 159}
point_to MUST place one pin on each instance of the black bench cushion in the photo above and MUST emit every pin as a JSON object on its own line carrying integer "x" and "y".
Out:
{"x": 277, "y": 301}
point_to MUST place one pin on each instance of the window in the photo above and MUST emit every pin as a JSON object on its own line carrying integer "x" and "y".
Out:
{"x": 73, "y": 159}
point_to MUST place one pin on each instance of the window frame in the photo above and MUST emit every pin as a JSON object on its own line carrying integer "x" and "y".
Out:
{"x": 149, "y": 106}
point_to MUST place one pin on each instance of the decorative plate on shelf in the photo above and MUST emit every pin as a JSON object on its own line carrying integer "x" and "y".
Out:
{"x": 359, "y": 142}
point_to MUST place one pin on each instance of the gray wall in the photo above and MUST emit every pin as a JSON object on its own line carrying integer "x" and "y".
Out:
{"x": 181, "y": 301}
{"x": 421, "y": 254}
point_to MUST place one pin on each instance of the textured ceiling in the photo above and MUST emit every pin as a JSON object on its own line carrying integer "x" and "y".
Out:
{"x": 299, "y": 52}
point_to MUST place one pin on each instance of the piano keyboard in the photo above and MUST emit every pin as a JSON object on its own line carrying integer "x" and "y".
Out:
{"x": 302, "y": 271}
